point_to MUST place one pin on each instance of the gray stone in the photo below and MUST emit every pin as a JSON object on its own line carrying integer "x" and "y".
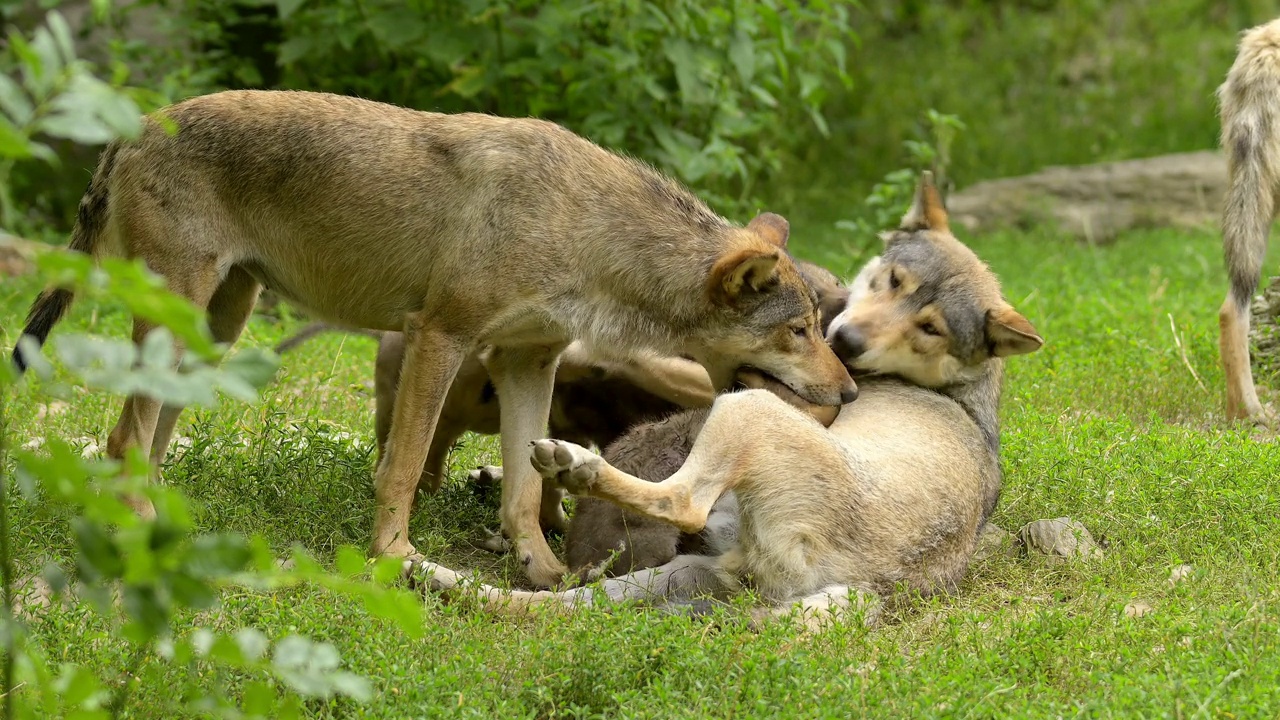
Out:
{"x": 1096, "y": 202}
{"x": 1062, "y": 538}
{"x": 994, "y": 541}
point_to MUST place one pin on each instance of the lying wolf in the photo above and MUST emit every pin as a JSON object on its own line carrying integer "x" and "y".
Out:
{"x": 603, "y": 538}
{"x": 379, "y": 217}
{"x": 893, "y": 495}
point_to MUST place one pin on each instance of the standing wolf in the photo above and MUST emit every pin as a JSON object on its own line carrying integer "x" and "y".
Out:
{"x": 379, "y": 217}
{"x": 893, "y": 494}
{"x": 1250, "y": 112}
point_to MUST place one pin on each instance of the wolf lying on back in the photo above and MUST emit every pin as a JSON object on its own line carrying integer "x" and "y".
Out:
{"x": 894, "y": 493}
{"x": 603, "y": 538}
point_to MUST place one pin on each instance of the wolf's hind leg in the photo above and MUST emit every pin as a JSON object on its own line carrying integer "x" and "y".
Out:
{"x": 741, "y": 426}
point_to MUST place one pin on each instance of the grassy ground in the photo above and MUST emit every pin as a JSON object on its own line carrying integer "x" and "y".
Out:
{"x": 1117, "y": 422}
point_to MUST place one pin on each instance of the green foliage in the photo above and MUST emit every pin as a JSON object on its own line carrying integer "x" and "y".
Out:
{"x": 53, "y": 94}
{"x": 139, "y": 574}
{"x": 891, "y": 197}
{"x": 1038, "y": 82}
{"x": 716, "y": 93}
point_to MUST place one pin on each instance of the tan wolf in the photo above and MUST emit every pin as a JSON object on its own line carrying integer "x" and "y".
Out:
{"x": 596, "y": 399}
{"x": 1250, "y": 114}
{"x": 380, "y": 217}
{"x": 892, "y": 495}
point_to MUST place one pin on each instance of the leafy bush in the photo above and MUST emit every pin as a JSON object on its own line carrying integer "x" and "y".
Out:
{"x": 716, "y": 93}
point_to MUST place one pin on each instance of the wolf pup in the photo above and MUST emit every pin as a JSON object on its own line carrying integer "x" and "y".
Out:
{"x": 378, "y": 217}
{"x": 1250, "y": 114}
{"x": 893, "y": 494}
{"x": 605, "y": 539}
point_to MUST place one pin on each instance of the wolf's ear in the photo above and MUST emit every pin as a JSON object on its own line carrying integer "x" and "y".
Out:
{"x": 927, "y": 211}
{"x": 738, "y": 273}
{"x": 1009, "y": 333}
{"x": 772, "y": 228}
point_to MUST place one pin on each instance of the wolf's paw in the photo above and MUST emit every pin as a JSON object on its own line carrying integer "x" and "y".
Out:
{"x": 573, "y": 467}
{"x": 486, "y": 476}
{"x": 495, "y": 542}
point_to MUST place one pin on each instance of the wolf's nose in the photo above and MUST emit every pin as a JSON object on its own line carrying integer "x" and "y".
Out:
{"x": 848, "y": 394}
{"x": 848, "y": 343}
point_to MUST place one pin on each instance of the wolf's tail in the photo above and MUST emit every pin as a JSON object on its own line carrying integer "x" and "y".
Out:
{"x": 316, "y": 328}
{"x": 52, "y": 304}
{"x": 1250, "y": 115}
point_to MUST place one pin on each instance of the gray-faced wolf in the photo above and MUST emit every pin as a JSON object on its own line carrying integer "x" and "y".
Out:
{"x": 1250, "y": 114}
{"x": 893, "y": 493}
{"x": 379, "y": 217}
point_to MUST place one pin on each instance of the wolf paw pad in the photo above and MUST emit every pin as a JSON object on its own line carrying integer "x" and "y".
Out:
{"x": 572, "y": 466}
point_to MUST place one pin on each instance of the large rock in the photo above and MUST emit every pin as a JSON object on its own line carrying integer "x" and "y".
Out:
{"x": 1095, "y": 202}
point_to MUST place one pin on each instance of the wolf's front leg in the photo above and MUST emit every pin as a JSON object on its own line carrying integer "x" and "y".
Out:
{"x": 524, "y": 378}
{"x": 431, "y": 361}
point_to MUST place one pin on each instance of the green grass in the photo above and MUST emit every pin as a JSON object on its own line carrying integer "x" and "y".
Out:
{"x": 1106, "y": 424}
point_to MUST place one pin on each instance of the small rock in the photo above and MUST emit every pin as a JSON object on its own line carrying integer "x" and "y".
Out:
{"x": 1180, "y": 573}
{"x": 16, "y": 256}
{"x": 1137, "y": 609}
{"x": 1060, "y": 538}
{"x": 57, "y": 407}
{"x": 88, "y": 446}
{"x": 994, "y": 541}
{"x": 33, "y": 444}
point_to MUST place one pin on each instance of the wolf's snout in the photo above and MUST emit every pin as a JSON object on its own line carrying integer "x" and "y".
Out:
{"x": 848, "y": 394}
{"x": 848, "y": 343}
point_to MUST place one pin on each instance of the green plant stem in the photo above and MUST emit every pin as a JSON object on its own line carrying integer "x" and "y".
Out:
{"x": 6, "y": 561}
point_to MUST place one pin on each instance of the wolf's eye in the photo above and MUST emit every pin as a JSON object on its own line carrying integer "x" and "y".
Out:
{"x": 800, "y": 331}
{"x": 894, "y": 282}
{"x": 929, "y": 328}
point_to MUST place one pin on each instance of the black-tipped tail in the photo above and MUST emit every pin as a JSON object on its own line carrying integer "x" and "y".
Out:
{"x": 45, "y": 312}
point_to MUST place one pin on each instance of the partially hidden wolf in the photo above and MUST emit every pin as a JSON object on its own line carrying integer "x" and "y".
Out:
{"x": 892, "y": 495}
{"x": 379, "y": 217}
{"x": 595, "y": 400}
{"x": 1250, "y": 114}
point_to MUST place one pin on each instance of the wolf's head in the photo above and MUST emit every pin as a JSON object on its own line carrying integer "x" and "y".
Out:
{"x": 768, "y": 317}
{"x": 927, "y": 309}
